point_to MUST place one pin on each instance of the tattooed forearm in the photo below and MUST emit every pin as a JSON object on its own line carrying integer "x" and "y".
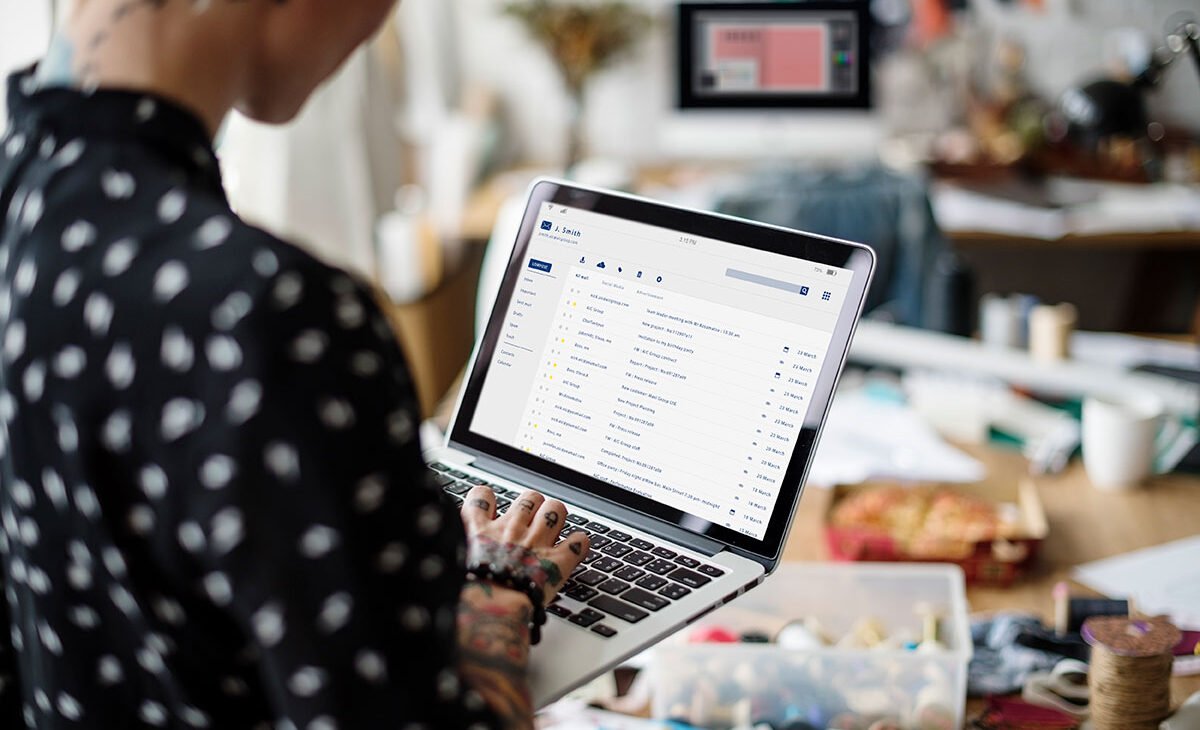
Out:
{"x": 553, "y": 574}
{"x": 521, "y": 561}
{"x": 493, "y": 638}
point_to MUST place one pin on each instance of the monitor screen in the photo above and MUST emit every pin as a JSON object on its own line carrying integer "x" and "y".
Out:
{"x": 675, "y": 366}
{"x": 774, "y": 55}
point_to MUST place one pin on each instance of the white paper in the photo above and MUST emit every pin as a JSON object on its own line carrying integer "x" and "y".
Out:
{"x": 575, "y": 715}
{"x": 1086, "y": 209}
{"x": 1164, "y": 579}
{"x": 867, "y": 438}
{"x": 1129, "y": 351}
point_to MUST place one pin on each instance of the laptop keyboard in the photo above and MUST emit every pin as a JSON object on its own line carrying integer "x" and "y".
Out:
{"x": 622, "y": 577}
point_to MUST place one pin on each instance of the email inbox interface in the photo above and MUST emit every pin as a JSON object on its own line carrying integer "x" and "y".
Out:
{"x": 676, "y": 367}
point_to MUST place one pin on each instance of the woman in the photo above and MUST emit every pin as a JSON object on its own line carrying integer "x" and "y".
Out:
{"x": 214, "y": 508}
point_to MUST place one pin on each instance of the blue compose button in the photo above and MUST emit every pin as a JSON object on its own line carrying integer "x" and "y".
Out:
{"x": 540, "y": 265}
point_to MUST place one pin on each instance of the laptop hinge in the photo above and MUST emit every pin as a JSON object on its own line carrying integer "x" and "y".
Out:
{"x": 574, "y": 495}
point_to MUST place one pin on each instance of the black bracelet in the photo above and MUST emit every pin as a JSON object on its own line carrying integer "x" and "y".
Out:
{"x": 507, "y": 578}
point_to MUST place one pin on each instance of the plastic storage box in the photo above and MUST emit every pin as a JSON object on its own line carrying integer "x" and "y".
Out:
{"x": 730, "y": 685}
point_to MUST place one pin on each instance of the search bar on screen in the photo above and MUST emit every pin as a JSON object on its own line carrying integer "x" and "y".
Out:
{"x": 786, "y": 286}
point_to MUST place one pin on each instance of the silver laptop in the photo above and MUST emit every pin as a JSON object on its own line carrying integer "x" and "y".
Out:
{"x": 665, "y": 373}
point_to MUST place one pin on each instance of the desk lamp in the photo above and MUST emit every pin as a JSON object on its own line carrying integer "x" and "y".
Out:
{"x": 1108, "y": 107}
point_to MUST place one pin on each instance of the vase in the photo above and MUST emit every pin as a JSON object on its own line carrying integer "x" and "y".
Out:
{"x": 576, "y": 120}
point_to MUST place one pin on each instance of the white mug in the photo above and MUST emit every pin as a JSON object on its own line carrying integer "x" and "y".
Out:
{"x": 1118, "y": 439}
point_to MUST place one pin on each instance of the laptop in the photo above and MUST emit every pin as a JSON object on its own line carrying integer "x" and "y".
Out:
{"x": 665, "y": 373}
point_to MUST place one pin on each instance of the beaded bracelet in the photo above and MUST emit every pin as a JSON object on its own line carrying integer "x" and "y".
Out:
{"x": 522, "y": 583}
{"x": 516, "y": 567}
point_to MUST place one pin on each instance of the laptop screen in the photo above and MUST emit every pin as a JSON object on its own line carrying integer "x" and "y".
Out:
{"x": 674, "y": 366}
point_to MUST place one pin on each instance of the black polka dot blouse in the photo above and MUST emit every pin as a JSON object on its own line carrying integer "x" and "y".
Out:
{"x": 213, "y": 507}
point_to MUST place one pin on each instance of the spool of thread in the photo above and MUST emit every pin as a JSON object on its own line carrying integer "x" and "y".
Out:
{"x": 1050, "y": 328}
{"x": 795, "y": 636}
{"x": 1062, "y": 611}
{"x": 1023, "y": 305}
{"x": 999, "y": 321}
{"x": 1080, "y": 610}
{"x": 713, "y": 635}
{"x": 1130, "y": 676}
{"x": 930, "y": 623}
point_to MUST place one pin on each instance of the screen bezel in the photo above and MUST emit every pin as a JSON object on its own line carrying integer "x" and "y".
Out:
{"x": 855, "y": 257}
{"x": 685, "y": 44}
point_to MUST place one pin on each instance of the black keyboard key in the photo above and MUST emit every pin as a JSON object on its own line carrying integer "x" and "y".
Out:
{"x": 688, "y": 578}
{"x": 568, "y": 531}
{"x": 598, "y": 541}
{"x": 476, "y": 481}
{"x": 458, "y": 501}
{"x": 457, "y": 474}
{"x": 662, "y": 552}
{"x": 438, "y": 466}
{"x": 605, "y": 631}
{"x": 629, "y": 573}
{"x": 590, "y": 557}
{"x": 591, "y": 578}
{"x": 597, "y": 527}
{"x": 641, "y": 544}
{"x": 606, "y": 564}
{"x": 457, "y": 488}
{"x": 641, "y": 598}
{"x": 653, "y": 582}
{"x": 583, "y": 594}
{"x": 638, "y": 558}
{"x": 687, "y": 562}
{"x": 612, "y": 586}
{"x": 576, "y": 520}
{"x": 442, "y": 479}
{"x": 674, "y": 591}
{"x": 618, "y": 608}
{"x": 617, "y": 550}
{"x": 502, "y": 504}
{"x": 711, "y": 571}
{"x": 619, "y": 536}
{"x": 661, "y": 567}
{"x": 557, "y": 609}
{"x": 586, "y": 617}
{"x": 579, "y": 570}
{"x": 510, "y": 493}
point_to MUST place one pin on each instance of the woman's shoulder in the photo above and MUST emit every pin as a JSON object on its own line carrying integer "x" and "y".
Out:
{"x": 207, "y": 257}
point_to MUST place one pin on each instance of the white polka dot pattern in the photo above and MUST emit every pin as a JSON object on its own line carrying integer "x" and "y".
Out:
{"x": 223, "y": 521}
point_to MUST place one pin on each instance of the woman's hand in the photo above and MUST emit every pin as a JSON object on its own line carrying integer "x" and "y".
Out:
{"x": 493, "y": 622}
{"x": 523, "y": 536}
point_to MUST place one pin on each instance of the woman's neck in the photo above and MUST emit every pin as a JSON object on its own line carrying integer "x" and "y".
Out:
{"x": 190, "y": 51}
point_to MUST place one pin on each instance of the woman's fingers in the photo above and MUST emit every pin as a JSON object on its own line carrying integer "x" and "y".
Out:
{"x": 547, "y": 523}
{"x": 577, "y": 545}
{"x": 525, "y": 507}
{"x": 479, "y": 507}
{"x": 566, "y": 556}
{"x": 515, "y": 520}
{"x": 523, "y": 537}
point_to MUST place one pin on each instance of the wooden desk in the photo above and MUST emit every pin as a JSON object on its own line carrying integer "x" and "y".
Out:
{"x": 1085, "y": 524}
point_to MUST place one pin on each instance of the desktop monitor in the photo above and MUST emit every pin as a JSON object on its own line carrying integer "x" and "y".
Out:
{"x": 774, "y": 55}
